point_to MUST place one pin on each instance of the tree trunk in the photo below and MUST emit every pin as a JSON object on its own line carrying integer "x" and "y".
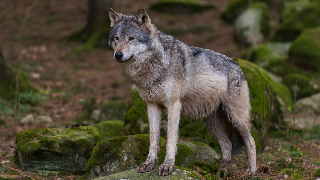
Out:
{"x": 96, "y": 31}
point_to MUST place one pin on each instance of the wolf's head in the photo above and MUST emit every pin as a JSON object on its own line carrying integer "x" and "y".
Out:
{"x": 130, "y": 35}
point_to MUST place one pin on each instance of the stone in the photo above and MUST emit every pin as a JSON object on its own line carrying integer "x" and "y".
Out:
{"x": 28, "y": 119}
{"x": 96, "y": 114}
{"x": 308, "y": 104}
{"x": 110, "y": 129}
{"x": 56, "y": 149}
{"x": 44, "y": 119}
{"x": 252, "y": 25}
{"x": 127, "y": 152}
{"x": 132, "y": 174}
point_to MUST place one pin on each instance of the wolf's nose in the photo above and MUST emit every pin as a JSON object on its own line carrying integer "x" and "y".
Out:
{"x": 118, "y": 55}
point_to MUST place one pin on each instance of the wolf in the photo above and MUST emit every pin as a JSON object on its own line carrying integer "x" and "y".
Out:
{"x": 188, "y": 81}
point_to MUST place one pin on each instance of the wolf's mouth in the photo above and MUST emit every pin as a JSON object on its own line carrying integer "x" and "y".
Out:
{"x": 130, "y": 57}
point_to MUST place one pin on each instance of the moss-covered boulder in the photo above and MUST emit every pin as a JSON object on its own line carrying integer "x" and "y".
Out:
{"x": 127, "y": 152}
{"x": 56, "y": 149}
{"x": 308, "y": 105}
{"x": 252, "y": 26}
{"x": 184, "y": 7}
{"x": 305, "y": 50}
{"x": 178, "y": 174}
{"x": 290, "y": 7}
{"x": 262, "y": 100}
{"x": 110, "y": 129}
{"x": 300, "y": 85}
{"x": 236, "y": 7}
{"x": 291, "y": 27}
{"x": 283, "y": 96}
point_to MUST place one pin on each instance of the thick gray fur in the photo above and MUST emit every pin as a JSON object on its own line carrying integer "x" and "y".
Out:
{"x": 186, "y": 80}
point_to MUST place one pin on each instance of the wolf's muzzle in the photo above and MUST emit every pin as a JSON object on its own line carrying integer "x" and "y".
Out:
{"x": 118, "y": 55}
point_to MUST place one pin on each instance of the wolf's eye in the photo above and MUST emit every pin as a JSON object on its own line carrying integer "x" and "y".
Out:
{"x": 116, "y": 38}
{"x": 131, "y": 38}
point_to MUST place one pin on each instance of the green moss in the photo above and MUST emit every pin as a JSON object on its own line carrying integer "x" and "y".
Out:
{"x": 182, "y": 154}
{"x": 113, "y": 110}
{"x": 283, "y": 96}
{"x": 281, "y": 68}
{"x": 258, "y": 52}
{"x": 299, "y": 85}
{"x": 292, "y": 26}
{"x": 65, "y": 141}
{"x": 317, "y": 173}
{"x": 305, "y": 50}
{"x": 110, "y": 129}
{"x": 99, "y": 155}
{"x": 184, "y": 7}
{"x": 261, "y": 99}
{"x": 236, "y": 7}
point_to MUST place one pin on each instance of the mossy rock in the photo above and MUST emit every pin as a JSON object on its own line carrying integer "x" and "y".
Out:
{"x": 236, "y": 7}
{"x": 179, "y": 173}
{"x": 55, "y": 150}
{"x": 252, "y": 26}
{"x": 110, "y": 129}
{"x": 305, "y": 50}
{"x": 184, "y": 7}
{"x": 127, "y": 152}
{"x": 283, "y": 96}
{"x": 292, "y": 26}
{"x": 290, "y": 7}
{"x": 262, "y": 100}
{"x": 300, "y": 85}
{"x": 309, "y": 104}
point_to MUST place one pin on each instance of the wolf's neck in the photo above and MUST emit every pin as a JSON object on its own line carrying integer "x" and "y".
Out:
{"x": 147, "y": 70}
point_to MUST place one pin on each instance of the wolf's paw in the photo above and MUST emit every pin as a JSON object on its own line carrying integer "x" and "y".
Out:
{"x": 146, "y": 166}
{"x": 166, "y": 169}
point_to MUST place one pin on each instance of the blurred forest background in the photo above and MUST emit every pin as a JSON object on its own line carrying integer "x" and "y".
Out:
{"x": 56, "y": 68}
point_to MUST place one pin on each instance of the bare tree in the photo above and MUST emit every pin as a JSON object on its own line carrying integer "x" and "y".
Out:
{"x": 96, "y": 31}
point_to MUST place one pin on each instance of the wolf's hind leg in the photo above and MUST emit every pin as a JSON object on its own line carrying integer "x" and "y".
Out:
{"x": 214, "y": 124}
{"x": 239, "y": 116}
{"x": 154, "y": 116}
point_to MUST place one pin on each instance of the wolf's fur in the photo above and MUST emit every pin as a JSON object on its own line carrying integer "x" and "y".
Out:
{"x": 187, "y": 80}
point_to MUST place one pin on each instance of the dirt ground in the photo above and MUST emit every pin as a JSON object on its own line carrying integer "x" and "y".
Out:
{"x": 33, "y": 40}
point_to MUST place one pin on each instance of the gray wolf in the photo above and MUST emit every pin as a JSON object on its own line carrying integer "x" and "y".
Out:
{"x": 187, "y": 81}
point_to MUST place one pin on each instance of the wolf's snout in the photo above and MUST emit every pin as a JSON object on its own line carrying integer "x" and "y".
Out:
{"x": 118, "y": 55}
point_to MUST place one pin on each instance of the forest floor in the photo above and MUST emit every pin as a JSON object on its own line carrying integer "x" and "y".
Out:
{"x": 38, "y": 48}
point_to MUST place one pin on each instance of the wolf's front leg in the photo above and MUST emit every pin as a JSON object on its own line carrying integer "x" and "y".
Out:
{"x": 154, "y": 116}
{"x": 172, "y": 138}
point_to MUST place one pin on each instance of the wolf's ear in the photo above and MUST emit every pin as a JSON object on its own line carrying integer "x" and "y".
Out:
{"x": 115, "y": 17}
{"x": 143, "y": 18}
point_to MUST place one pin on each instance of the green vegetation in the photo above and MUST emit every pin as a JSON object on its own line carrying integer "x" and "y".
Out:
{"x": 305, "y": 50}
{"x": 184, "y": 7}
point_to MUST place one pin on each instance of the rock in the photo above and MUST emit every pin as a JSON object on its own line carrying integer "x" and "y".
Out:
{"x": 179, "y": 174}
{"x": 96, "y": 114}
{"x": 236, "y": 7}
{"x": 283, "y": 96}
{"x": 300, "y": 86}
{"x": 110, "y": 129}
{"x": 127, "y": 152}
{"x": 44, "y": 119}
{"x": 294, "y": 23}
{"x": 305, "y": 50}
{"x": 302, "y": 123}
{"x": 308, "y": 104}
{"x": 56, "y": 150}
{"x": 184, "y": 7}
{"x": 291, "y": 7}
{"x": 252, "y": 25}
{"x": 29, "y": 119}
